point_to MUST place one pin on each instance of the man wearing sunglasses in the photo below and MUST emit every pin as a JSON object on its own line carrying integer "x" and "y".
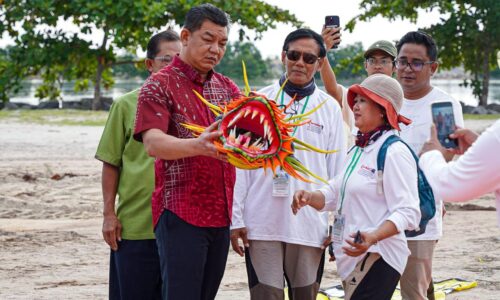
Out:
{"x": 277, "y": 244}
{"x": 415, "y": 65}
{"x": 127, "y": 170}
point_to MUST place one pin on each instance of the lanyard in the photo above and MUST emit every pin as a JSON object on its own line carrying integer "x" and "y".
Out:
{"x": 347, "y": 175}
{"x": 303, "y": 108}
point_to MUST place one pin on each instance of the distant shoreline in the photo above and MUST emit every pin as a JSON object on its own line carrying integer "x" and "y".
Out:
{"x": 122, "y": 86}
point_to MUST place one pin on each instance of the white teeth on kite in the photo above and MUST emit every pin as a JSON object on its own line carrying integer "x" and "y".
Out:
{"x": 248, "y": 134}
{"x": 257, "y": 142}
{"x": 261, "y": 118}
{"x": 234, "y": 120}
{"x": 255, "y": 112}
{"x": 247, "y": 143}
{"x": 232, "y": 134}
{"x": 270, "y": 139}
{"x": 246, "y": 113}
{"x": 239, "y": 140}
{"x": 267, "y": 130}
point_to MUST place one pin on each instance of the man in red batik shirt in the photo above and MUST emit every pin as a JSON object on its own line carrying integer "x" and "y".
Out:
{"x": 192, "y": 200}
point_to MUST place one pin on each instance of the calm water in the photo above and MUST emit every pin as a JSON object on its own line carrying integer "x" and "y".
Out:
{"x": 451, "y": 86}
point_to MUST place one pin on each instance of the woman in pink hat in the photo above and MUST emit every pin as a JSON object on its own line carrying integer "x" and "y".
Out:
{"x": 371, "y": 212}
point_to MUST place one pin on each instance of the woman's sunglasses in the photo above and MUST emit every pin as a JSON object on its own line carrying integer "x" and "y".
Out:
{"x": 308, "y": 58}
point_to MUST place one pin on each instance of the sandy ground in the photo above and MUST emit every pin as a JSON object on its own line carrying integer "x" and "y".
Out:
{"x": 50, "y": 208}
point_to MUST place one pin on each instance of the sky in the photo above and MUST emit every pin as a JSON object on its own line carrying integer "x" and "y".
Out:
{"x": 312, "y": 13}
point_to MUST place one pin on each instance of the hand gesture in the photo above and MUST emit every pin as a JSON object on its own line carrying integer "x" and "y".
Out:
{"x": 357, "y": 249}
{"x": 433, "y": 143}
{"x": 239, "y": 233}
{"x": 465, "y": 139}
{"x": 112, "y": 231}
{"x": 331, "y": 36}
{"x": 205, "y": 141}
{"x": 300, "y": 199}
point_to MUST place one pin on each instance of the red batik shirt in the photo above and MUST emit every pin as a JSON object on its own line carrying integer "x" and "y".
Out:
{"x": 197, "y": 189}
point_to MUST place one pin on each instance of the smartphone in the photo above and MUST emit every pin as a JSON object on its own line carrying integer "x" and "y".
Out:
{"x": 332, "y": 21}
{"x": 357, "y": 238}
{"x": 444, "y": 119}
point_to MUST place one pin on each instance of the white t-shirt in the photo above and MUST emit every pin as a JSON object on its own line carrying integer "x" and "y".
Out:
{"x": 475, "y": 173}
{"x": 270, "y": 218}
{"x": 417, "y": 133}
{"x": 365, "y": 209}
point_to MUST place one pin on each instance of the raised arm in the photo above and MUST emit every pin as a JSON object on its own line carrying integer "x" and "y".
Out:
{"x": 331, "y": 36}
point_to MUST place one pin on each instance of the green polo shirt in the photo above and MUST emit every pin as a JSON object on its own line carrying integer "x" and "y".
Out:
{"x": 118, "y": 148}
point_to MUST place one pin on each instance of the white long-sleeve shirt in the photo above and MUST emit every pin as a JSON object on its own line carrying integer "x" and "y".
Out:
{"x": 366, "y": 210}
{"x": 475, "y": 173}
{"x": 270, "y": 218}
{"x": 417, "y": 133}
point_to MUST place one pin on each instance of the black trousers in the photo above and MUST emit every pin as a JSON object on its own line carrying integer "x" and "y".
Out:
{"x": 378, "y": 284}
{"x": 134, "y": 271}
{"x": 192, "y": 259}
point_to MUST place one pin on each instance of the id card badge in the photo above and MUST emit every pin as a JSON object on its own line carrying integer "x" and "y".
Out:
{"x": 338, "y": 230}
{"x": 281, "y": 184}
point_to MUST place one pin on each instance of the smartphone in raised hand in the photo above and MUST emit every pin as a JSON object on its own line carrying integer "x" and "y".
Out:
{"x": 332, "y": 22}
{"x": 444, "y": 120}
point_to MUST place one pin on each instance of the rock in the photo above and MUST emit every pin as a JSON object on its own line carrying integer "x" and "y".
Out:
{"x": 48, "y": 105}
{"x": 494, "y": 107}
{"x": 466, "y": 109}
{"x": 11, "y": 105}
{"x": 86, "y": 103}
{"x": 481, "y": 110}
{"x": 106, "y": 103}
{"x": 18, "y": 105}
{"x": 72, "y": 104}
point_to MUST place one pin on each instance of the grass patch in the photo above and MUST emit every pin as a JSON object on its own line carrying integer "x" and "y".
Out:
{"x": 481, "y": 117}
{"x": 55, "y": 117}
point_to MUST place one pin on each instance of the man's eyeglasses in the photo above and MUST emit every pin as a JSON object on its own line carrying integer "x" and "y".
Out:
{"x": 382, "y": 62}
{"x": 415, "y": 65}
{"x": 164, "y": 59}
{"x": 308, "y": 58}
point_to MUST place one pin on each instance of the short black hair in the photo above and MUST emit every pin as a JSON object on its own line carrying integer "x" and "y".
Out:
{"x": 198, "y": 14}
{"x": 420, "y": 38}
{"x": 154, "y": 43}
{"x": 305, "y": 33}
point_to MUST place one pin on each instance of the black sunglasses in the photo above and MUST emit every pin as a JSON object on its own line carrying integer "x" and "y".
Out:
{"x": 308, "y": 58}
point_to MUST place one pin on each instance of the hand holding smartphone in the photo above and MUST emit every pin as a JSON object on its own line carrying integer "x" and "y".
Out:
{"x": 332, "y": 22}
{"x": 444, "y": 119}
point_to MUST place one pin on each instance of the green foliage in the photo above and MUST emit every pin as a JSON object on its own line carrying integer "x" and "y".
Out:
{"x": 348, "y": 62}
{"x": 58, "y": 53}
{"x": 129, "y": 66}
{"x": 12, "y": 72}
{"x": 247, "y": 52}
{"x": 468, "y": 34}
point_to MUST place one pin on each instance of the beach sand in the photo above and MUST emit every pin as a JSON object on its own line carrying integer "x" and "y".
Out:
{"x": 50, "y": 223}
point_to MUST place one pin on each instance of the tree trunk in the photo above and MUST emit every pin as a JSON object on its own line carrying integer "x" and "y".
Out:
{"x": 483, "y": 100}
{"x": 97, "y": 103}
{"x": 101, "y": 65}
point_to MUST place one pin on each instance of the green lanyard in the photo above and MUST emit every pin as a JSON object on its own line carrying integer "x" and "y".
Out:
{"x": 303, "y": 108}
{"x": 347, "y": 175}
